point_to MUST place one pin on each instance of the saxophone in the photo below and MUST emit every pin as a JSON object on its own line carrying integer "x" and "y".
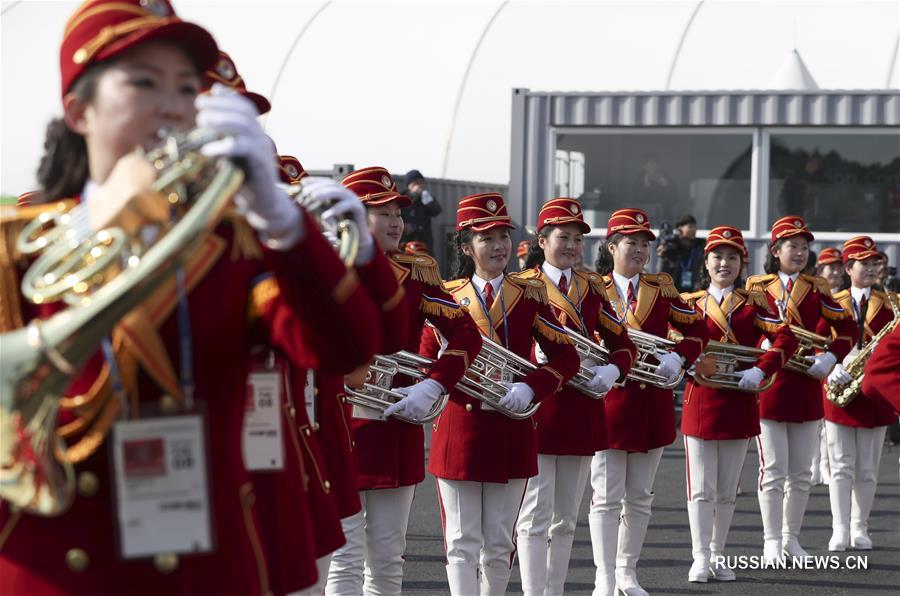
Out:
{"x": 844, "y": 393}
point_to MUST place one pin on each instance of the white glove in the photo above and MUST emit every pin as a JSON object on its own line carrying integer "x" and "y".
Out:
{"x": 518, "y": 397}
{"x": 839, "y": 375}
{"x": 268, "y": 208}
{"x": 343, "y": 203}
{"x": 418, "y": 401}
{"x": 670, "y": 365}
{"x": 822, "y": 365}
{"x": 766, "y": 344}
{"x": 751, "y": 378}
{"x": 426, "y": 197}
{"x": 539, "y": 354}
{"x": 604, "y": 377}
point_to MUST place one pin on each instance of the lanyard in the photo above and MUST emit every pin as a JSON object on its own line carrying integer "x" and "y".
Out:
{"x": 185, "y": 341}
{"x": 577, "y": 307}
{"x": 484, "y": 307}
{"x": 783, "y": 304}
{"x": 615, "y": 304}
{"x": 689, "y": 265}
{"x": 727, "y": 316}
{"x": 118, "y": 387}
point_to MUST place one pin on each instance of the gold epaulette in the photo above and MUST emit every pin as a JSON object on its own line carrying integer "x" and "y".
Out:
{"x": 245, "y": 245}
{"x": 596, "y": 284}
{"x": 843, "y": 294}
{"x": 423, "y": 268}
{"x": 455, "y": 284}
{"x": 754, "y": 298}
{"x": 664, "y": 281}
{"x": 527, "y": 273}
{"x": 262, "y": 293}
{"x": 550, "y": 331}
{"x": 692, "y": 297}
{"x": 821, "y": 284}
{"x": 880, "y": 293}
{"x": 758, "y": 283}
{"x": 534, "y": 288}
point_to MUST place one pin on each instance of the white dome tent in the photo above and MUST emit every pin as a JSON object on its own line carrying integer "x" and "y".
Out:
{"x": 427, "y": 84}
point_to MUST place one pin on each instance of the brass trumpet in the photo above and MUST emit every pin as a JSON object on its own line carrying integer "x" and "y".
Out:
{"x": 376, "y": 393}
{"x": 344, "y": 233}
{"x": 844, "y": 393}
{"x": 103, "y": 277}
{"x": 729, "y": 360}
{"x": 810, "y": 343}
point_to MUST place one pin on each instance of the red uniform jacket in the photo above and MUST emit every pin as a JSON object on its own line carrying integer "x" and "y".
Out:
{"x": 482, "y": 445}
{"x": 391, "y": 453}
{"x": 332, "y": 426}
{"x": 882, "y": 372}
{"x": 219, "y": 276}
{"x": 641, "y": 417}
{"x": 795, "y": 397}
{"x": 743, "y": 318}
{"x": 573, "y": 423}
{"x": 862, "y": 411}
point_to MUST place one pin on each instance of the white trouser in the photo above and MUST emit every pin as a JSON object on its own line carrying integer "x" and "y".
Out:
{"x": 820, "y": 469}
{"x": 371, "y": 561}
{"x": 712, "y": 472}
{"x": 322, "y": 565}
{"x": 622, "y": 483}
{"x": 785, "y": 473}
{"x": 854, "y": 455}
{"x": 479, "y": 527}
{"x": 550, "y": 512}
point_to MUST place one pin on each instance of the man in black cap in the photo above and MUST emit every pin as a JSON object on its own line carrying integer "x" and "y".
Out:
{"x": 417, "y": 217}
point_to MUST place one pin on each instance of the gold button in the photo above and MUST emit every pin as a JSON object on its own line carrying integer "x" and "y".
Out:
{"x": 168, "y": 404}
{"x": 315, "y": 391}
{"x": 77, "y": 560}
{"x": 353, "y": 444}
{"x": 316, "y": 426}
{"x": 468, "y": 407}
{"x": 343, "y": 399}
{"x": 306, "y": 431}
{"x": 88, "y": 484}
{"x": 80, "y": 56}
{"x": 643, "y": 385}
{"x": 327, "y": 486}
{"x": 166, "y": 562}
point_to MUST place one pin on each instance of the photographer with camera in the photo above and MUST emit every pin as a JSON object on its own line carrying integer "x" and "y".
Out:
{"x": 681, "y": 252}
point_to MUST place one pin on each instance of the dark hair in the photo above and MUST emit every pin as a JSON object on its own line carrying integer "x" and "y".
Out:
{"x": 810, "y": 268}
{"x": 63, "y": 170}
{"x": 772, "y": 265}
{"x": 462, "y": 264}
{"x": 604, "y": 263}
{"x": 705, "y": 279}
{"x": 535, "y": 256}
{"x": 685, "y": 219}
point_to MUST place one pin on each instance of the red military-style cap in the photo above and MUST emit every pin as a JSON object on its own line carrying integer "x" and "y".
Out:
{"x": 102, "y": 29}
{"x": 375, "y": 186}
{"x": 415, "y": 247}
{"x": 522, "y": 249}
{"x": 482, "y": 212}
{"x": 725, "y": 236}
{"x": 629, "y": 221}
{"x": 562, "y": 210}
{"x": 790, "y": 226}
{"x": 828, "y": 256}
{"x": 225, "y": 72}
{"x": 290, "y": 170}
{"x": 859, "y": 248}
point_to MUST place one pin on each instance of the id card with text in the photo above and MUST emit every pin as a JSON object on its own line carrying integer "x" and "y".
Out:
{"x": 262, "y": 438}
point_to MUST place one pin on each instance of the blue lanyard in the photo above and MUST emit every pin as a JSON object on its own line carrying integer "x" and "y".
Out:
{"x": 185, "y": 341}
{"x": 689, "y": 265}
{"x": 615, "y": 304}
{"x": 118, "y": 387}
{"x": 488, "y": 315}
{"x": 783, "y": 304}
{"x": 577, "y": 307}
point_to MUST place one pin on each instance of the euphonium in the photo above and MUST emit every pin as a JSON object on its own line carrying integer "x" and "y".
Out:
{"x": 376, "y": 393}
{"x": 103, "y": 277}
{"x": 490, "y": 372}
{"x": 649, "y": 347}
{"x": 844, "y": 393}
{"x": 729, "y": 360}
{"x": 810, "y": 343}
{"x": 588, "y": 350}
{"x": 344, "y": 232}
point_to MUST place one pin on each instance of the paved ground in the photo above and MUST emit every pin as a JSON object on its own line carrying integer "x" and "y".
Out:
{"x": 666, "y": 556}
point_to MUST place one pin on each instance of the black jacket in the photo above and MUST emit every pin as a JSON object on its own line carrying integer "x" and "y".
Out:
{"x": 417, "y": 219}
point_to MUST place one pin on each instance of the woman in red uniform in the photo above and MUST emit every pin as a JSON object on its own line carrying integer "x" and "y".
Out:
{"x": 571, "y": 426}
{"x": 790, "y": 410}
{"x": 482, "y": 458}
{"x": 391, "y": 453}
{"x": 856, "y": 432}
{"x": 717, "y": 424}
{"x": 640, "y": 418}
{"x": 130, "y": 68}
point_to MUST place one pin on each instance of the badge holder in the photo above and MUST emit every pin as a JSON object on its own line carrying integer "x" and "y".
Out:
{"x": 159, "y": 463}
{"x": 263, "y": 441}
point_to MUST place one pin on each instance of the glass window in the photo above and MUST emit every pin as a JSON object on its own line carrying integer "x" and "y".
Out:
{"x": 837, "y": 182}
{"x": 666, "y": 173}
